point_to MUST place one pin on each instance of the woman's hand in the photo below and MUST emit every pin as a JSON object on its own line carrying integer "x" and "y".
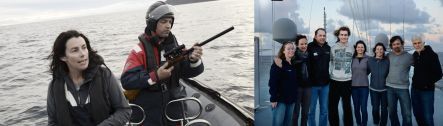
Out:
{"x": 273, "y": 104}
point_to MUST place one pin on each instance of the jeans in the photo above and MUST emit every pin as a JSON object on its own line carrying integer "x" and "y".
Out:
{"x": 423, "y": 106}
{"x": 282, "y": 114}
{"x": 360, "y": 100}
{"x": 340, "y": 89}
{"x": 303, "y": 102}
{"x": 320, "y": 93}
{"x": 403, "y": 96}
{"x": 379, "y": 100}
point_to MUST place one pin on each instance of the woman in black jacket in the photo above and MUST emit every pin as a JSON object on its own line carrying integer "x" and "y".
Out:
{"x": 82, "y": 90}
{"x": 283, "y": 87}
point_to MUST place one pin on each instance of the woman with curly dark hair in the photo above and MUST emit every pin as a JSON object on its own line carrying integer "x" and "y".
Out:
{"x": 83, "y": 91}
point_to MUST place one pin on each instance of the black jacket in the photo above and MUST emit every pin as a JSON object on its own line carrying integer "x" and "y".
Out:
{"x": 107, "y": 105}
{"x": 282, "y": 83}
{"x": 427, "y": 69}
{"x": 318, "y": 67}
{"x": 301, "y": 61}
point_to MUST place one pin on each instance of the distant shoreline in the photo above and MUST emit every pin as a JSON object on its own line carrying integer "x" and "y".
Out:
{"x": 178, "y": 2}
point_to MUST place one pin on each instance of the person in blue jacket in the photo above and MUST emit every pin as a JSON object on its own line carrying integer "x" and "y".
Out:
{"x": 379, "y": 68}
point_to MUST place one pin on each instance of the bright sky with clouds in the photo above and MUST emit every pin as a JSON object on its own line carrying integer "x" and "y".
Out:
{"x": 25, "y": 11}
{"x": 368, "y": 16}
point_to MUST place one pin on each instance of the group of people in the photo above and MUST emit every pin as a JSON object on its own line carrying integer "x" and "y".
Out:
{"x": 84, "y": 91}
{"x": 304, "y": 72}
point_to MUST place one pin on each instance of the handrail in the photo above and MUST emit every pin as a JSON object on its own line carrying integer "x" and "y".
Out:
{"x": 181, "y": 100}
{"x": 197, "y": 121}
{"x": 136, "y": 123}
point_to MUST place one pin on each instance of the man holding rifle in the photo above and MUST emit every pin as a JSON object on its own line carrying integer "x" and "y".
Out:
{"x": 146, "y": 78}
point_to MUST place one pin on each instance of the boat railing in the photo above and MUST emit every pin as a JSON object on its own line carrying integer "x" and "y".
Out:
{"x": 141, "y": 121}
{"x": 185, "y": 118}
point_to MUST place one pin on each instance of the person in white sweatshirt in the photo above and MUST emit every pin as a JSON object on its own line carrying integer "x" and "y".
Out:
{"x": 340, "y": 72}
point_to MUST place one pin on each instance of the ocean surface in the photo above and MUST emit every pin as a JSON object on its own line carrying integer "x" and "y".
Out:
{"x": 228, "y": 60}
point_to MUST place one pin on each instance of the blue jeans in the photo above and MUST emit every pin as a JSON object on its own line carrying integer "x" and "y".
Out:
{"x": 360, "y": 100}
{"x": 379, "y": 100}
{"x": 403, "y": 96}
{"x": 320, "y": 93}
{"x": 282, "y": 114}
{"x": 423, "y": 106}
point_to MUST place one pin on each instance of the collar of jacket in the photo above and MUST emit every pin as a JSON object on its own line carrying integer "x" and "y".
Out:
{"x": 99, "y": 108}
{"x": 158, "y": 41}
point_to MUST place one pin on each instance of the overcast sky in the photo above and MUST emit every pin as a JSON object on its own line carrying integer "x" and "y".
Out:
{"x": 368, "y": 16}
{"x": 24, "y": 11}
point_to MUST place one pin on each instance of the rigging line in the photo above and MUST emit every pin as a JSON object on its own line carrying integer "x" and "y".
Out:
{"x": 390, "y": 20}
{"x": 363, "y": 20}
{"x": 310, "y": 14}
{"x": 367, "y": 22}
{"x": 403, "y": 20}
{"x": 272, "y": 27}
{"x": 368, "y": 17}
{"x": 364, "y": 17}
{"x": 353, "y": 19}
{"x": 356, "y": 9}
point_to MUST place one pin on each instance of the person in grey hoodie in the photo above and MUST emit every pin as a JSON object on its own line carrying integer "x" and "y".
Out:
{"x": 398, "y": 82}
{"x": 340, "y": 72}
{"x": 379, "y": 68}
{"x": 360, "y": 83}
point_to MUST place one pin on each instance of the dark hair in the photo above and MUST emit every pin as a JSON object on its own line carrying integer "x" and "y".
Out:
{"x": 343, "y": 28}
{"x": 280, "y": 54}
{"x": 316, "y": 32}
{"x": 58, "y": 66}
{"x": 298, "y": 37}
{"x": 375, "y": 47}
{"x": 396, "y": 38}
{"x": 355, "y": 48}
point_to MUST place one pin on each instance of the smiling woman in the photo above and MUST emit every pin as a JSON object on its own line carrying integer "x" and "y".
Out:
{"x": 82, "y": 91}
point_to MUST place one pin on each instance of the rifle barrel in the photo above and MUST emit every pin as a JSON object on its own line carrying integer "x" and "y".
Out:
{"x": 216, "y": 36}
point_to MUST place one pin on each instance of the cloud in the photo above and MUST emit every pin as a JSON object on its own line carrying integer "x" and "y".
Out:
{"x": 22, "y": 12}
{"x": 56, "y": 4}
{"x": 378, "y": 10}
{"x": 281, "y": 9}
{"x": 436, "y": 46}
{"x": 413, "y": 30}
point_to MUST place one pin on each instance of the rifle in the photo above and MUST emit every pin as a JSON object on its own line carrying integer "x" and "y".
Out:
{"x": 176, "y": 55}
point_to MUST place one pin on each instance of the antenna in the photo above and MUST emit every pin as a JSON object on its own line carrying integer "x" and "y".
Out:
{"x": 324, "y": 18}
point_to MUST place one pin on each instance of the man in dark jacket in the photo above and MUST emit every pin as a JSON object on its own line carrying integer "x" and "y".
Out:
{"x": 318, "y": 69}
{"x": 427, "y": 71}
{"x": 156, "y": 84}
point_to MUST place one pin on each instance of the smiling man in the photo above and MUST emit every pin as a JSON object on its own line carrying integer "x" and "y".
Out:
{"x": 427, "y": 71}
{"x": 397, "y": 82}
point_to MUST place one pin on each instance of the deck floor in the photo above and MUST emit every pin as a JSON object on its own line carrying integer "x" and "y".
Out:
{"x": 263, "y": 116}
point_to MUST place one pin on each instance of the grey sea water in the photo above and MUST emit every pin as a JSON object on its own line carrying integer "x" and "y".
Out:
{"x": 24, "y": 75}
